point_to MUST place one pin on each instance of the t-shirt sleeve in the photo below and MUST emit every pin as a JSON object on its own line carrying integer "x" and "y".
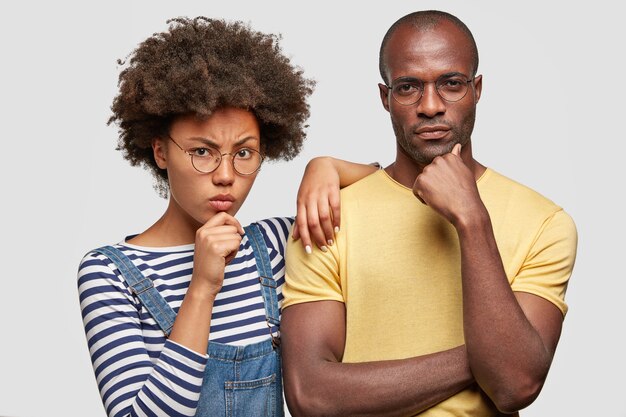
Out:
{"x": 311, "y": 277}
{"x": 550, "y": 261}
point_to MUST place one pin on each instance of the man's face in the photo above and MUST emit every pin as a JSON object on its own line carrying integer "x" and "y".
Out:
{"x": 432, "y": 126}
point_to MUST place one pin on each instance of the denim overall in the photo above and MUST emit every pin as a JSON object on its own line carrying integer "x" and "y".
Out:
{"x": 238, "y": 380}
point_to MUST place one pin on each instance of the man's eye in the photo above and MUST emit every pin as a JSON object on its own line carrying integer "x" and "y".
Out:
{"x": 452, "y": 84}
{"x": 406, "y": 89}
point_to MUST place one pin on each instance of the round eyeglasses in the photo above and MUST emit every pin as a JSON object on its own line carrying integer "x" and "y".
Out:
{"x": 245, "y": 161}
{"x": 407, "y": 90}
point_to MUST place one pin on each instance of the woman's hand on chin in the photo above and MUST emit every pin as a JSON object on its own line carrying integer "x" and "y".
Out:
{"x": 217, "y": 243}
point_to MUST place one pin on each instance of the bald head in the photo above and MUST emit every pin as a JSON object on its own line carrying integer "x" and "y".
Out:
{"x": 423, "y": 21}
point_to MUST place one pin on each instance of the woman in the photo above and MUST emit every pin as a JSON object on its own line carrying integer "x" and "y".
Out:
{"x": 201, "y": 105}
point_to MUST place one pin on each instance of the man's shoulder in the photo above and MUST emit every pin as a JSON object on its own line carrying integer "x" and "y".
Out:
{"x": 377, "y": 182}
{"x": 499, "y": 189}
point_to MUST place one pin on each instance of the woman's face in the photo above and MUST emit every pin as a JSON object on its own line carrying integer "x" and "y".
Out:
{"x": 198, "y": 195}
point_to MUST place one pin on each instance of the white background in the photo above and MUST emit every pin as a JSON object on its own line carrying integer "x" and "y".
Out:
{"x": 551, "y": 116}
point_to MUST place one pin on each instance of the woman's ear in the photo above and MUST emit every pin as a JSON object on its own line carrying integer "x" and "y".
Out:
{"x": 160, "y": 152}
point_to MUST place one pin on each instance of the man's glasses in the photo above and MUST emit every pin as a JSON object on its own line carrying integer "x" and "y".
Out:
{"x": 245, "y": 161}
{"x": 407, "y": 91}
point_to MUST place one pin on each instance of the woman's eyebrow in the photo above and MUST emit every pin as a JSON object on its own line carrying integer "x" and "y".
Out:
{"x": 244, "y": 140}
{"x": 205, "y": 141}
{"x": 213, "y": 144}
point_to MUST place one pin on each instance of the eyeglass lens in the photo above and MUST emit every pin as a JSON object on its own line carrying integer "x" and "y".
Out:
{"x": 245, "y": 161}
{"x": 409, "y": 91}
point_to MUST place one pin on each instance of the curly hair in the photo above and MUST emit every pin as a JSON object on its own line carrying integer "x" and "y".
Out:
{"x": 200, "y": 65}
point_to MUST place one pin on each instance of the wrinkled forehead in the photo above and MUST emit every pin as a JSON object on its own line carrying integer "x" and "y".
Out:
{"x": 427, "y": 53}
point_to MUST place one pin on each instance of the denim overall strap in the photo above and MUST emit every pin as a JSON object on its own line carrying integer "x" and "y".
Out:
{"x": 266, "y": 278}
{"x": 142, "y": 287}
{"x": 246, "y": 381}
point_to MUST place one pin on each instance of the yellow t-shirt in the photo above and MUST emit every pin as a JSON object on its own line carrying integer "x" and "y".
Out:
{"x": 396, "y": 267}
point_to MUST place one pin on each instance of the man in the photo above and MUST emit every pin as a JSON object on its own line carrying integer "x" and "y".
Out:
{"x": 443, "y": 293}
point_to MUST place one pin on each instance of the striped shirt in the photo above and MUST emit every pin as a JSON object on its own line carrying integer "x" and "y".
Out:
{"x": 138, "y": 371}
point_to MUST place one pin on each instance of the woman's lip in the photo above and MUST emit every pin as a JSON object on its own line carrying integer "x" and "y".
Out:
{"x": 224, "y": 197}
{"x": 221, "y": 205}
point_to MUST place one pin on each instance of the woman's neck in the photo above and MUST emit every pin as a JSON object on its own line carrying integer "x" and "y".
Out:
{"x": 174, "y": 228}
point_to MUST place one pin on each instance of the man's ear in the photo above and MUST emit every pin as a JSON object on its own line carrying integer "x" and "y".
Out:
{"x": 478, "y": 87}
{"x": 159, "y": 150}
{"x": 384, "y": 95}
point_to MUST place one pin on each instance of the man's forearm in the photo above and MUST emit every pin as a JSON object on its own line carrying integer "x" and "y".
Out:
{"x": 386, "y": 388}
{"x": 506, "y": 353}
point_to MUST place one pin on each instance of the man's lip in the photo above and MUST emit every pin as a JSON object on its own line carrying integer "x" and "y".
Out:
{"x": 433, "y": 134}
{"x": 428, "y": 129}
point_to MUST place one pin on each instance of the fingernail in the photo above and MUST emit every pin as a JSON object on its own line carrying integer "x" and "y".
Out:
{"x": 336, "y": 229}
{"x": 307, "y": 249}
{"x": 324, "y": 248}
{"x": 330, "y": 242}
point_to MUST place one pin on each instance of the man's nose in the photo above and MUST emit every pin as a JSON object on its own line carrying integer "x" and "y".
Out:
{"x": 431, "y": 104}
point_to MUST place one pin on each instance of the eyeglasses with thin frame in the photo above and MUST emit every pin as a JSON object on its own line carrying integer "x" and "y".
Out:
{"x": 450, "y": 87}
{"x": 204, "y": 159}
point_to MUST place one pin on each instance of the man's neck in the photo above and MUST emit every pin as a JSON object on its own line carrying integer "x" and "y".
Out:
{"x": 405, "y": 170}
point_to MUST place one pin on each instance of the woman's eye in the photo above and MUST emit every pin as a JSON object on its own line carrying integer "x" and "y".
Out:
{"x": 202, "y": 152}
{"x": 243, "y": 153}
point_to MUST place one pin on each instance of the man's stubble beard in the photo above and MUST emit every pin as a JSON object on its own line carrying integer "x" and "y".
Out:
{"x": 462, "y": 136}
